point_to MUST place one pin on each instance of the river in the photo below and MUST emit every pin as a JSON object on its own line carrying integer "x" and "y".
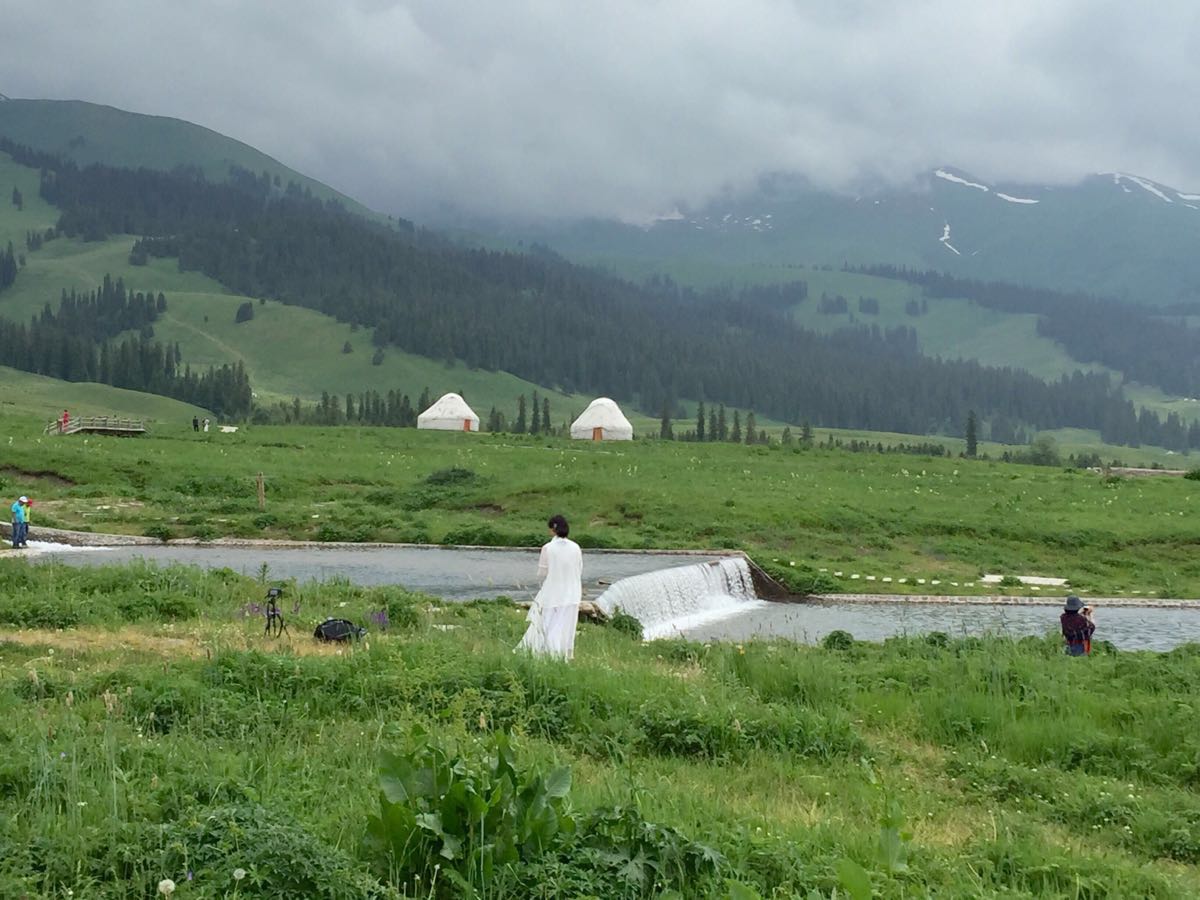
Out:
{"x": 466, "y": 574}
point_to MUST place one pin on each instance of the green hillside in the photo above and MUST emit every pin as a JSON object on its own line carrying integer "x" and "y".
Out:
{"x": 288, "y": 351}
{"x": 36, "y": 214}
{"x": 953, "y": 328}
{"x": 34, "y": 396}
{"x": 91, "y": 133}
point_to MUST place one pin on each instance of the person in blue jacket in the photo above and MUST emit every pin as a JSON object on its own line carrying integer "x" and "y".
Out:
{"x": 20, "y": 522}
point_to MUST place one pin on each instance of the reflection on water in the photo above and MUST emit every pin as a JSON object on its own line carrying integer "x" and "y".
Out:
{"x": 1128, "y": 628}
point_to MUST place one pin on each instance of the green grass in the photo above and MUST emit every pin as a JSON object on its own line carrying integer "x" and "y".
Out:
{"x": 24, "y": 395}
{"x": 35, "y": 214}
{"x": 160, "y": 735}
{"x": 896, "y": 515}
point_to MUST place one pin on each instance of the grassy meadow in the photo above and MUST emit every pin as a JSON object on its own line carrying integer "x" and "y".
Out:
{"x": 895, "y": 516}
{"x": 151, "y": 732}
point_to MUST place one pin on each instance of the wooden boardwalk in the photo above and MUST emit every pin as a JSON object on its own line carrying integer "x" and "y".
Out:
{"x": 97, "y": 425}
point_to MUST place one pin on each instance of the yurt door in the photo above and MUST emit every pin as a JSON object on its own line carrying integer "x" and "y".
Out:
{"x": 597, "y": 434}
{"x": 466, "y": 424}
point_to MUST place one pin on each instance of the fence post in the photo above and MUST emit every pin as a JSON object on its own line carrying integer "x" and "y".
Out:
{"x": 262, "y": 493}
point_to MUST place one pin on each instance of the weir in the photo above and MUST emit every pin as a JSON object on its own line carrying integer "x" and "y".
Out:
{"x": 669, "y": 601}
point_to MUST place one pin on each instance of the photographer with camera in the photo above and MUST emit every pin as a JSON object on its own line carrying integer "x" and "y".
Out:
{"x": 1077, "y": 627}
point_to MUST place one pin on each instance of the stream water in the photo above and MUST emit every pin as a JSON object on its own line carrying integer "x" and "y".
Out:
{"x": 1127, "y": 627}
{"x": 699, "y": 598}
{"x": 454, "y": 574}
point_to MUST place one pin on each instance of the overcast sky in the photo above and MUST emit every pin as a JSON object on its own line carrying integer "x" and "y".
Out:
{"x": 622, "y": 108}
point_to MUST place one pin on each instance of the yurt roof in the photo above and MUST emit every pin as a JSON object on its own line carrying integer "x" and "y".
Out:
{"x": 602, "y": 413}
{"x": 449, "y": 406}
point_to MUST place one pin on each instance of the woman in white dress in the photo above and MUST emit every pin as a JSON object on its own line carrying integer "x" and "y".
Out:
{"x": 555, "y": 610}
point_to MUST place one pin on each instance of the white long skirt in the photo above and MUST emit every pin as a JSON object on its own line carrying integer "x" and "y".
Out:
{"x": 551, "y": 632}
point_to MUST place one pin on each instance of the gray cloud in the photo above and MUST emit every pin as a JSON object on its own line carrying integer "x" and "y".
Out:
{"x": 628, "y": 107}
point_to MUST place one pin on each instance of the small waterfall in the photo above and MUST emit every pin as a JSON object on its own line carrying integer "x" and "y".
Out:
{"x": 669, "y": 601}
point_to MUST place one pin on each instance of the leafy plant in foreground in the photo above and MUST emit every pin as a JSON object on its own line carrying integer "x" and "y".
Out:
{"x": 443, "y": 813}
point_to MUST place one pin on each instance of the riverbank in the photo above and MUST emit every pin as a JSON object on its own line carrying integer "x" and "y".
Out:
{"x": 920, "y": 519}
{"x": 192, "y": 549}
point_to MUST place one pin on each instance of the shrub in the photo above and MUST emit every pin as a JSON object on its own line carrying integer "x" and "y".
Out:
{"x": 798, "y": 579}
{"x": 276, "y": 857}
{"x": 838, "y": 640}
{"x": 624, "y": 623}
{"x": 160, "y": 530}
{"x": 452, "y": 475}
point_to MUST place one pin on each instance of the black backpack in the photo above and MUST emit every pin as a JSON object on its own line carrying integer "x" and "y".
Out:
{"x": 338, "y": 630}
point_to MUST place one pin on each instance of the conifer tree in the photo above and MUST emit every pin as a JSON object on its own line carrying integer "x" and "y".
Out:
{"x": 806, "y": 435}
{"x": 519, "y": 427}
{"x": 735, "y": 436}
{"x": 535, "y": 420}
{"x": 972, "y": 434}
{"x": 722, "y": 427}
{"x": 751, "y": 429}
{"x": 546, "y": 415}
{"x": 664, "y": 426}
{"x": 713, "y": 433}
{"x": 700, "y": 421}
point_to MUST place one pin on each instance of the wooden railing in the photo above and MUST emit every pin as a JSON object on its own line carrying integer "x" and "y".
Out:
{"x": 97, "y": 424}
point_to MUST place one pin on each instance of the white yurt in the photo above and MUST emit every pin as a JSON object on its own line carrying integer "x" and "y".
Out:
{"x": 602, "y": 421}
{"x": 449, "y": 413}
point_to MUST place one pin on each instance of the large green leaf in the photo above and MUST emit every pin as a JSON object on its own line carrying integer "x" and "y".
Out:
{"x": 854, "y": 879}
{"x": 558, "y": 782}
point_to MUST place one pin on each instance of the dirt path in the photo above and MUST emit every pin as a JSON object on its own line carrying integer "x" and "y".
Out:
{"x": 192, "y": 645}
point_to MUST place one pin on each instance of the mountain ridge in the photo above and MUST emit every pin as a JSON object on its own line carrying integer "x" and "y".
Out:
{"x": 1112, "y": 234}
{"x": 86, "y": 132}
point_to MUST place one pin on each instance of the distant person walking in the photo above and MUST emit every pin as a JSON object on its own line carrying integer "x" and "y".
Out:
{"x": 206, "y": 424}
{"x": 555, "y": 610}
{"x": 195, "y": 423}
{"x": 63, "y": 422}
{"x": 20, "y": 522}
{"x": 1077, "y": 627}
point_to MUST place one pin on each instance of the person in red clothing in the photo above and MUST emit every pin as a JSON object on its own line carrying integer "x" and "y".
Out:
{"x": 64, "y": 421}
{"x": 1077, "y": 627}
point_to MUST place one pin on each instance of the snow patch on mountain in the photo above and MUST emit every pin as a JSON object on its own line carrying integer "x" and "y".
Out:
{"x": 1183, "y": 196}
{"x": 1148, "y": 186}
{"x": 951, "y": 177}
{"x": 945, "y": 240}
{"x": 1012, "y": 199}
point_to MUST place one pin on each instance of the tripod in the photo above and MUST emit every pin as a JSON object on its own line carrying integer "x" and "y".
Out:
{"x": 275, "y": 625}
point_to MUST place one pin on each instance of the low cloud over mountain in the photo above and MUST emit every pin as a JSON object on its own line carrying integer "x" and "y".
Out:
{"x": 626, "y": 108}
